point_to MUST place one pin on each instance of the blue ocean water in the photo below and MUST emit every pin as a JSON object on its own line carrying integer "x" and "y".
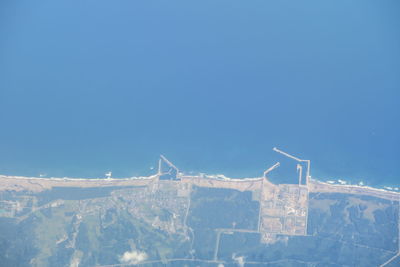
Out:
{"x": 92, "y": 86}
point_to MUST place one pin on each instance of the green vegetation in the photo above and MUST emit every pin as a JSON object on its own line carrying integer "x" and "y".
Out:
{"x": 61, "y": 230}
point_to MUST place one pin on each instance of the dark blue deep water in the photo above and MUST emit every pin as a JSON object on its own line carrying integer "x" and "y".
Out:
{"x": 92, "y": 86}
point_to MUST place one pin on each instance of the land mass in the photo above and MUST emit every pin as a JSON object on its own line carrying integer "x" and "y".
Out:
{"x": 174, "y": 218}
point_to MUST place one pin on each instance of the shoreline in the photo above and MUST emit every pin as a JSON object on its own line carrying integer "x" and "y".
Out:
{"x": 315, "y": 185}
{"x": 356, "y": 187}
{"x": 344, "y": 183}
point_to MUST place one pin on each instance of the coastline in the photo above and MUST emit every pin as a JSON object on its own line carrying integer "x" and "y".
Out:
{"x": 317, "y": 186}
{"x": 37, "y": 184}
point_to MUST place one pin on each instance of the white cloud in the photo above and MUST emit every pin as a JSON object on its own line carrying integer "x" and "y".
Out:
{"x": 133, "y": 257}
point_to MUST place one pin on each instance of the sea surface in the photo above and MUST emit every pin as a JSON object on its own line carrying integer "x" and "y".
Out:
{"x": 88, "y": 87}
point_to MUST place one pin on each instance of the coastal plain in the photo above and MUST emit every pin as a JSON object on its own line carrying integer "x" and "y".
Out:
{"x": 175, "y": 219}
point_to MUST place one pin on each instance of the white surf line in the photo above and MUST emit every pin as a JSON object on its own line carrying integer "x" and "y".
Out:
{"x": 32, "y": 178}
